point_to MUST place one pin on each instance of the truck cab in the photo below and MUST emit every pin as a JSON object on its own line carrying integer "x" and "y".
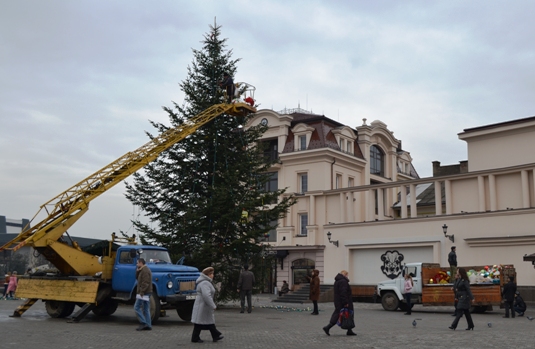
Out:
{"x": 391, "y": 290}
{"x": 173, "y": 284}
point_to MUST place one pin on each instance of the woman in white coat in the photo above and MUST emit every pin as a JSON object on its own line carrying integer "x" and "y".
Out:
{"x": 203, "y": 310}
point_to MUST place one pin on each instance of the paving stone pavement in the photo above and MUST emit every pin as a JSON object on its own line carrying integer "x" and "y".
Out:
{"x": 268, "y": 327}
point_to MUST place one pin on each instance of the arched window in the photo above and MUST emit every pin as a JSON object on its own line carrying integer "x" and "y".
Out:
{"x": 377, "y": 161}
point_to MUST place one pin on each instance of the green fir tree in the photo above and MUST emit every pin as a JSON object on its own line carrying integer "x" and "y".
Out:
{"x": 196, "y": 195}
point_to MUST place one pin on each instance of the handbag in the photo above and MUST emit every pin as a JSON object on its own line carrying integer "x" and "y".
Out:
{"x": 345, "y": 319}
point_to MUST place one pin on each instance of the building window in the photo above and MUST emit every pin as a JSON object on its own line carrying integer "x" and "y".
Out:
{"x": 273, "y": 183}
{"x": 376, "y": 161}
{"x": 302, "y": 142}
{"x": 338, "y": 181}
{"x": 349, "y": 145}
{"x": 271, "y": 149}
{"x": 272, "y": 232}
{"x": 350, "y": 182}
{"x": 303, "y": 182}
{"x": 303, "y": 222}
{"x": 341, "y": 144}
{"x": 270, "y": 186}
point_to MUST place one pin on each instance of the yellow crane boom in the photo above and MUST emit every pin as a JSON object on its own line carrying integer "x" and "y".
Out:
{"x": 66, "y": 208}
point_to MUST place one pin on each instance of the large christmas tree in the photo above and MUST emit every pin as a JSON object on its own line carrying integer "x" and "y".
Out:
{"x": 205, "y": 196}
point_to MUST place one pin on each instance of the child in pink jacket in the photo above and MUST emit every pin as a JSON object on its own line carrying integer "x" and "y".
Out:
{"x": 12, "y": 286}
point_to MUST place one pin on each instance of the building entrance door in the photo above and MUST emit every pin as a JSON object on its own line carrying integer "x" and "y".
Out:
{"x": 301, "y": 268}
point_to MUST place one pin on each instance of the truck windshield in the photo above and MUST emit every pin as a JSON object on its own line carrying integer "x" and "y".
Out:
{"x": 156, "y": 257}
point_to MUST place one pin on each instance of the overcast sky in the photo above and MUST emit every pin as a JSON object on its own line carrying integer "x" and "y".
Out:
{"x": 80, "y": 80}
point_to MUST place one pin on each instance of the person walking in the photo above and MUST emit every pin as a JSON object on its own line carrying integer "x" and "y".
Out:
{"x": 6, "y": 283}
{"x": 407, "y": 291}
{"x": 246, "y": 282}
{"x": 342, "y": 299}
{"x": 314, "y": 294}
{"x": 508, "y": 295}
{"x": 12, "y": 286}
{"x": 520, "y": 305}
{"x": 144, "y": 291}
{"x": 454, "y": 288}
{"x": 203, "y": 317}
{"x": 465, "y": 299}
{"x": 452, "y": 260}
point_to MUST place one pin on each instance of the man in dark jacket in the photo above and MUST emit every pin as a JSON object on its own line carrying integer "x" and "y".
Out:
{"x": 520, "y": 305}
{"x": 342, "y": 299}
{"x": 508, "y": 295}
{"x": 452, "y": 260}
{"x": 144, "y": 291}
{"x": 245, "y": 288}
{"x": 228, "y": 84}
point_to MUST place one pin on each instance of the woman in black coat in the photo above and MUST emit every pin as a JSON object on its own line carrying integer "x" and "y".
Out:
{"x": 342, "y": 299}
{"x": 465, "y": 298}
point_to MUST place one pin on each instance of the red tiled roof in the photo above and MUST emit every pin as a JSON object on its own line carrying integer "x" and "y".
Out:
{"x": 322, "y": 136}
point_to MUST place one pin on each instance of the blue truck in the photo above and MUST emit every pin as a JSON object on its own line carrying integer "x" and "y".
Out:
{"x": 173, "y": 285}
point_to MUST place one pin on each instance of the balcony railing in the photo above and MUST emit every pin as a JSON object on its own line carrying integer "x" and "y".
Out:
{"x": 271, "y": 155}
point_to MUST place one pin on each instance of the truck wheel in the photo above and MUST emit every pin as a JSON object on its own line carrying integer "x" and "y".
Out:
{"x": 106, "y": 308}
{"x": 184, "y": 310}
{"x": 59, "y": 309}
{"x": 155, "y": 307}
{"x": 390, "y": 301}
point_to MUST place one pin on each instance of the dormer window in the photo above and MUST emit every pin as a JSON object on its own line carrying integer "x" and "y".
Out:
{"x": 302, "y": 133}
{"x": 345, "y": 137}
{"x": 302, "y": 143}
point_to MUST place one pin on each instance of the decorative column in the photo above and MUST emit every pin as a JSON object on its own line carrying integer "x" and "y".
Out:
{"x": 447, "y": 196}
{"x": 481, "y": 193}
{"x": 414, "y": 211}
{"x": 438, "y": 199}
{"x": 403, "y": 201}
{"x": 492, "y": 192}
{"x": 525, "y": 189}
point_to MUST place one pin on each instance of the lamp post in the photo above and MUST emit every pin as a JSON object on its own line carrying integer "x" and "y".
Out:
{"x": 445, "y": 231}
{"x": 334, "y": 242}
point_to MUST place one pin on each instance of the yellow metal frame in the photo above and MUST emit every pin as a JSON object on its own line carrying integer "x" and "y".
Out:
{"x": 59, "y": 290}
{"x": 66, "y": 208}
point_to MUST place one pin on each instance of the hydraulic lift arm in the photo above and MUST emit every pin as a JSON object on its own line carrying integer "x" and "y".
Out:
{"x": 66, "y": 208}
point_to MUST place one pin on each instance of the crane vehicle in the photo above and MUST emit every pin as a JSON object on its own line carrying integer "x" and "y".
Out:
{"x": 99, "y": 283}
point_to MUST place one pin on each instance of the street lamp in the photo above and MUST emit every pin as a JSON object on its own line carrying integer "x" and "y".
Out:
{"x": 445, "y": 230}
{"x": 334, "y": 242}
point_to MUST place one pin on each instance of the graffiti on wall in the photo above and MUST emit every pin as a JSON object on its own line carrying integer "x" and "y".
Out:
{"x": 392, "y": 264}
